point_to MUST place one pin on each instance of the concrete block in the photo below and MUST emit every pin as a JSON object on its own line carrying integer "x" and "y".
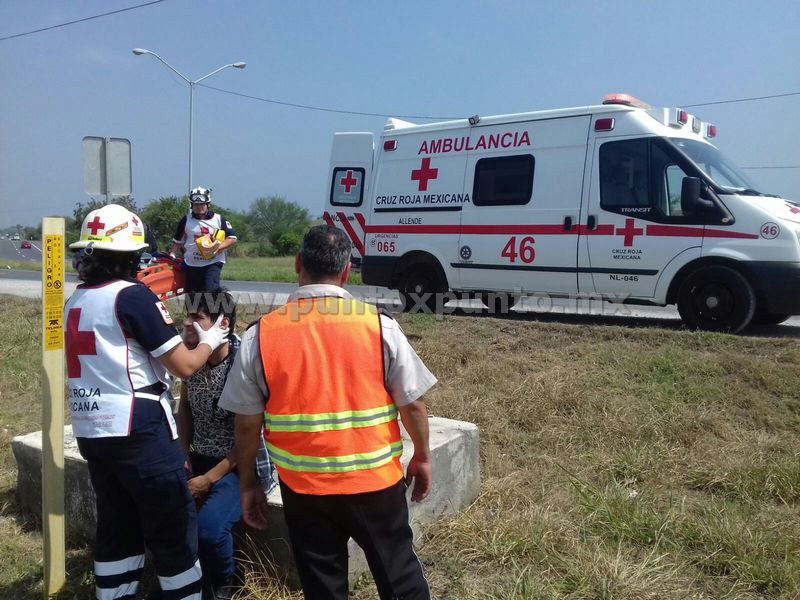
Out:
{"x": 79, "y": 500}
{"x": 456, "y": 483}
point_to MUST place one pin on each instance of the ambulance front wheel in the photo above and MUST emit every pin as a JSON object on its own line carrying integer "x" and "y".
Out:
{"x": 716, "y": 298}
{"x": 418, "y": 289}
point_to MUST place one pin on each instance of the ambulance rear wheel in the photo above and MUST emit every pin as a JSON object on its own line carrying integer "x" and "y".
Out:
{"x": 418, "y": 289}
{"x": 716, "y": 298}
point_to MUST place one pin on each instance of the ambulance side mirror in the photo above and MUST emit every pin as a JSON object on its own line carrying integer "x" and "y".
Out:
{"x": 692, "y": 201}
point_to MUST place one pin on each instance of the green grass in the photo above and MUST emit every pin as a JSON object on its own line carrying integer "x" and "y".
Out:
{"x": 280, "y": 268}
{"x": 27, "y": 265}
{"x": 240, "y": 268}
{"x": 615, "y": 463}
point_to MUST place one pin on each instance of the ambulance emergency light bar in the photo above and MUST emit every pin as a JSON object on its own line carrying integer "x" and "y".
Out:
{"x": 673, "y": 117}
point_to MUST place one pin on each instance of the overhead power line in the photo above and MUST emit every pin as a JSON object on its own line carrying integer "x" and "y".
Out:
{"x": 320, "y": 108}
{"x": 742, "y": 100}
{"x": 374, "y": 114}
{"x": 113, "y": 12}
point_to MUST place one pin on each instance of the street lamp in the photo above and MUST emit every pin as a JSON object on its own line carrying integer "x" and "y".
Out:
{"x": 192, "y": 83}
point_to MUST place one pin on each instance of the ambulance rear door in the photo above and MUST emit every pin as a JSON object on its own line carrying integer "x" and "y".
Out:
{"x": 519, "y": 232}
{"x": 348, "y": 187}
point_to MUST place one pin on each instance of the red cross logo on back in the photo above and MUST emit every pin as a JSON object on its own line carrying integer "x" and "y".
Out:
{"x": 77, "y": 343}
{"x": 348, "y": 182}
{"x": 424, "y": 173}
{"x": 629, "y": 231}
{"x": 95, "y": 225}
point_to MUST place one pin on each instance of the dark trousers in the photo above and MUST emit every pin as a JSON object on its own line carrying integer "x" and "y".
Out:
{"x": 142, "y": 498}
{"x": 320, "y": 526}
{"x": 203, "y": 279}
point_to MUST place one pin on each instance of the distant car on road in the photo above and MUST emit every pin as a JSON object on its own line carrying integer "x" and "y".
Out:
{"x": 25, "y": 244}
{"x": 16, "y": 236}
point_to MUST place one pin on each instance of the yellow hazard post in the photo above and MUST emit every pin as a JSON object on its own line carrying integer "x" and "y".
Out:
{"x": 53, "y": 404}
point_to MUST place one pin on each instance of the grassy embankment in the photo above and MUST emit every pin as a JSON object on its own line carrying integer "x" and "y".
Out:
{"x": 616, "y": 463}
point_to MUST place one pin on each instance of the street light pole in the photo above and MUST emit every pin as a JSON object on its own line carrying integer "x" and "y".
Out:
{"x": 192, "y": 83}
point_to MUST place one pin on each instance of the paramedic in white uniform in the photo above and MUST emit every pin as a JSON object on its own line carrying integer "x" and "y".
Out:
{"x": 120, "y": 342}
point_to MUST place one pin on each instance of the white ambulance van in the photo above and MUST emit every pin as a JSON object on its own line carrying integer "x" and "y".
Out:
{"x": 621, "y": 201}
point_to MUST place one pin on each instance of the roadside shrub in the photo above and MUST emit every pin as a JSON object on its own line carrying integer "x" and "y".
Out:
{"x": 287, "y": 244}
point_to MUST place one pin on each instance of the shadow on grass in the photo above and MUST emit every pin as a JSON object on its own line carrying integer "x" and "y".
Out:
{"x": 29, "y": 585}
{"x": 78, "y": 584}
{"x": 575, "y": 319}
{"x": 627, "y": 321}
{"x": 10, "y": 509}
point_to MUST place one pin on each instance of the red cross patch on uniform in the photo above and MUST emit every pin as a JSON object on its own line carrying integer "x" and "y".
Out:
{"x": 164, "y": 313}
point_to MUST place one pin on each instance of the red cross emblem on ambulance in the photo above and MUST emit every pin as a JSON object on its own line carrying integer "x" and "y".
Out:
{"x": 424, "y": 174}
{"x": 629, "y": 231}
{"x": 348, "y": 182}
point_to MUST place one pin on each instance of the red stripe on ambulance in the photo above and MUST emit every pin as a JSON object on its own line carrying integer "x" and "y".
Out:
{"x": 629, "y": 232}
{"x": 677, "y": 231}
{"x": 358, "y": 243}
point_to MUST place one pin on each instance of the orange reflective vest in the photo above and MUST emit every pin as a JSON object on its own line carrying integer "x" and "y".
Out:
{"x": 330, "y": 425}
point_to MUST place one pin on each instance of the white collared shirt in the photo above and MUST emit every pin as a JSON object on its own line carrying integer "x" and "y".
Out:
{"x": 405, "y": 375}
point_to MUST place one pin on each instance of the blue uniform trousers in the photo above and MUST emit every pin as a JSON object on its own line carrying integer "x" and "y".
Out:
{"x": 203, "y": 279}
{"x": 142, "y": 499}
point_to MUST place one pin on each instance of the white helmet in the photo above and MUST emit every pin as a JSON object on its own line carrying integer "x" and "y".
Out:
{"x": 112, "y": 227}
{"x": 200, "y": 195}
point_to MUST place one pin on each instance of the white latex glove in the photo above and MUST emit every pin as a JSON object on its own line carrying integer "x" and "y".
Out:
{"x": 215, "y": 336}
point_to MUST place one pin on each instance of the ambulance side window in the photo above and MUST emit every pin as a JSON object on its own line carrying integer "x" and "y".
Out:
{"x": 642, "y": 177}
{"x": 673, "y": 180}
{"x": 503, "y": 181}
{"x": 624, "y": 174}
{"x": 668, "y": 179}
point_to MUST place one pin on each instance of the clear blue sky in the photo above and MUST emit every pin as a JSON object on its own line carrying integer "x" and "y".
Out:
{"x": 448, "y": 58}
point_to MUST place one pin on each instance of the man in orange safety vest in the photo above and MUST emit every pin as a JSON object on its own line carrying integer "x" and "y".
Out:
{"x": 327, "y": 375}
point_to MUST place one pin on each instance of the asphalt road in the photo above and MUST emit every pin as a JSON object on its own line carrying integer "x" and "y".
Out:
{"x": 11, "y": 250}
{"x": 581, "y": 311}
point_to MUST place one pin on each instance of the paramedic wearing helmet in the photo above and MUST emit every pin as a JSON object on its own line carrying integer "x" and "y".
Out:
{"x": 203, "y": 236}
{"x": 119, "y": 343}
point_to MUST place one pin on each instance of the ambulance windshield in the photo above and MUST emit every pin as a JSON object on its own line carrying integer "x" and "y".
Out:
{"x": 712, "y": 162}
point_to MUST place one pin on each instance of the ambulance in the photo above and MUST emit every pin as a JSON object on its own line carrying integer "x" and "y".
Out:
{"x": 620, "y": 201}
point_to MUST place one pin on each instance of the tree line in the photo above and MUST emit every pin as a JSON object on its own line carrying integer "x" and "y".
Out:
{"x": 273, "y": 226}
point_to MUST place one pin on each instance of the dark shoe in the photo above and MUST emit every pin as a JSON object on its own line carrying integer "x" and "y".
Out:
{"x": 225, "y": 591}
